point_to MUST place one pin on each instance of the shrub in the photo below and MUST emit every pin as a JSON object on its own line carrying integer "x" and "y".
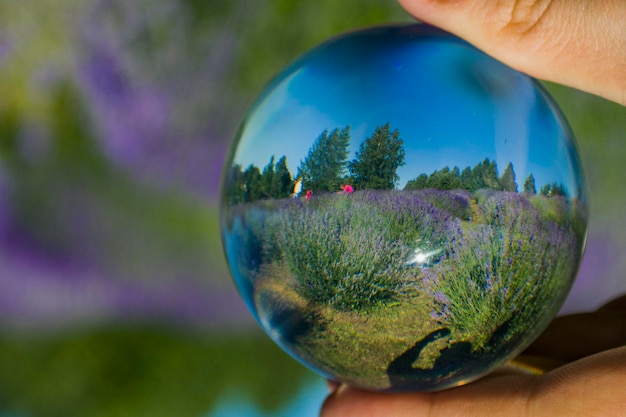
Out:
{"x": 555, "y": 208}
{"x": 350, "y": 251}
{"x": 455, "y": 202}
{"x": 508, "y": 271}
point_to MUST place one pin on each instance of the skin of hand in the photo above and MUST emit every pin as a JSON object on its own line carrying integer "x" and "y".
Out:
{"x": 578, "y": 43}
{"x": 581, "y": 44}
{"x": 590, "y": 383}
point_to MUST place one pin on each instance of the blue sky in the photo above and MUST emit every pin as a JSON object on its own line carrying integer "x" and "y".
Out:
{"x": 453, "y": 106}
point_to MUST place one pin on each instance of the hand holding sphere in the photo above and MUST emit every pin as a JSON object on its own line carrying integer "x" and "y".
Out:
{"x": 446, "y": 217}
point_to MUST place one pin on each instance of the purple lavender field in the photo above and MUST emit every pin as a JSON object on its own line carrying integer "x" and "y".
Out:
{"x": 397, "y": 290}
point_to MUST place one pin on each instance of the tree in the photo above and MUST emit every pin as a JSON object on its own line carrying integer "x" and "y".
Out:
{"x": 282, "y": 181}
{"x": 445, "y": 179}
{"x": 466, "y": 179}
{"x": 476, "y": 178}
{"x": 484, "y": 175}
{"x": 325, "y": 165}
{"x": 236, "y": 186}
{"x": 553, "y": 189}
{"x": 529, "y": 185}
{"x": 507, "y": 180}
{"x": 378, "y": 159}
{"x": 490, "y": 174}
{"x": 267, "y": 179}
{"x": 417, "y": 183}
{"x": 253, "y": 183}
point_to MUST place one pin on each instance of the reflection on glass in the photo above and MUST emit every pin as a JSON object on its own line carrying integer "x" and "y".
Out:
{"x": 402, "y": 212}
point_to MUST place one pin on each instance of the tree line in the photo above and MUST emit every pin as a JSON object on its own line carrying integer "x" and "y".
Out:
{"x": 326, "y": 168}
{"x": 482, "y": 175}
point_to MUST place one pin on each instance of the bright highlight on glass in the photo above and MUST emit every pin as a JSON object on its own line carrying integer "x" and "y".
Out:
{"x": 401, "y": 211}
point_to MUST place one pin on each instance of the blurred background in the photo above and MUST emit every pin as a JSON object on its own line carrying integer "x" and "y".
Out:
{"x": 115, "y": 117}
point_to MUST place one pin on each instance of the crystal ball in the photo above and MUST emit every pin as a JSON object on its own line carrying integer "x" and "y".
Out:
{"x": 400, "y": 211}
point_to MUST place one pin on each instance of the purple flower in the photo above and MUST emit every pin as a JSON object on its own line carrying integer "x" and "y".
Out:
{"x": 5, "y": 48}
{"x": 5, "y": 209}
{"x": 163, "y": 111}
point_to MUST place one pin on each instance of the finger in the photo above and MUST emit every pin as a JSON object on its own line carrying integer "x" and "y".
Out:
{"x": 491, "y": 396}
{"x": 591, "y": 387}
{"x": 332, "y": 385}
{"x": 581, "y": 44}
{"x": 616, "y": 305}
{"x": 573, "y": 337}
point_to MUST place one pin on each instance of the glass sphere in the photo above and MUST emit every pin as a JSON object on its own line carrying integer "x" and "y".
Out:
{"x": 402, "y": 212}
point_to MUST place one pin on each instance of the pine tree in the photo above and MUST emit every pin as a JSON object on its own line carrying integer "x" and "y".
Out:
{"x": 485, "y": 175}
{"x": 466, "y": 179}
{"x": 529, "y": 185}
{"x": 253, "y": 184}
{"x": 378, "y": 159}
{"x": 267, "y": 179}
{"x": 507, "y": 180}
{"x": 282, "y": 181}
{"x": 476, "y": 179}
{"x": 444, "y": 179}
{"x": 236, "y": 186}
{"x": 325, "y": 165}
{"x": 553, "y": 189}
{"x": 490, "y": 174}
{"x": 417, "y": 183}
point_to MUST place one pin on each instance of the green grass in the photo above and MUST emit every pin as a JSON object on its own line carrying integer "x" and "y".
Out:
{"x": 357, "y": 345}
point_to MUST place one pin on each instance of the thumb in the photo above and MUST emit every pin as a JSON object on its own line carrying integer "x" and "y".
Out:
{"x": 581, "y": 44}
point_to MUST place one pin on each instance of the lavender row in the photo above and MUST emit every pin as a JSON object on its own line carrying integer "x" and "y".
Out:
{"x": 485, "y": 261}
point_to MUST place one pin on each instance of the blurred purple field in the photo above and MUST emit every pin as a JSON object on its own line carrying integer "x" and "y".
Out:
{"x": 114, "y": 120}
{"x": 96, "y": 198}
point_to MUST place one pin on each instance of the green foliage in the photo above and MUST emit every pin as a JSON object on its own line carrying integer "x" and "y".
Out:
{"x": 267, "y": 179}
{"x": 235, "y": 190}
{"x": 418, "y": 183}
{"x": 443, "y": 179}
{"x": 282, "y": 181}
{"x": 554, "y": 208}
{"x": 485, "y": 175}
{"x": 9, "y": 130}
{"x": 507, "y": 180}
{"x": 466, "y": 179}
{"x": 378, "y": 159}
{"x": 350, "y": 251}
{"x": 314, "y": 22}
{"x": 529, "y": 185}
{"x": 324, "y": 167}
{"x": 142, "y": 371}
{"x": 482, "y": 175}
{"x": 253, "y": 183}
{"x": 342, "y": 255}
{"x": 503, "y": 272}
{"x": 553, "y": 189}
